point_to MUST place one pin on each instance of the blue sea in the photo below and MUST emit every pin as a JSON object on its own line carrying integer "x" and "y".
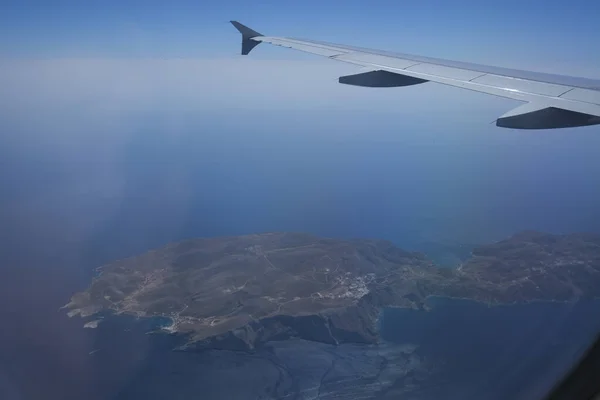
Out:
{"x": 69, "y": 206}
{"x": 458, "y": 349}
{"x": 507, "y": 351}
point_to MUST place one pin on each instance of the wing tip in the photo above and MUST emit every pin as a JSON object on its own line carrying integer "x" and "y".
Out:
{"x": 247, "y": 35}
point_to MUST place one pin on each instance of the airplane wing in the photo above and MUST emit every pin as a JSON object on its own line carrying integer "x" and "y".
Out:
{"x": 551, "y": 101}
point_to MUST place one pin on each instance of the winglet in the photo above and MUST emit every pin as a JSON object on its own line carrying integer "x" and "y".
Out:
{"x": 247, "y": 35}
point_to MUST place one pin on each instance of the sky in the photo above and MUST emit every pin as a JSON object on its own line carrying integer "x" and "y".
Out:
{"x": 460, "y": 29}
{"x": 125, "y": 125}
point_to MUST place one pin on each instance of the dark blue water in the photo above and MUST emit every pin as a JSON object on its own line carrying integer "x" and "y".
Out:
{"x": 510, "y": 351}
{"x": 463, "y": 350}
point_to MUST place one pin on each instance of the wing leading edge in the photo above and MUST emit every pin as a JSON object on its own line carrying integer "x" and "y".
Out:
{"x": 551, "y": 101}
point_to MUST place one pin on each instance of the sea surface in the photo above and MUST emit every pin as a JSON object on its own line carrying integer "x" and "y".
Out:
{"x": 75, "y": 195}
{"x": 508, "y": 351}
{"x": 458, "y": 349}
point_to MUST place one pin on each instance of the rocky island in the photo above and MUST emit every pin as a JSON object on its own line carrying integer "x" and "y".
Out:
{"x": 241, "y": 292}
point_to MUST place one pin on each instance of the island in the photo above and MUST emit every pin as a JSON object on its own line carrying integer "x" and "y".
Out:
{"x": 241, "y": 292}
